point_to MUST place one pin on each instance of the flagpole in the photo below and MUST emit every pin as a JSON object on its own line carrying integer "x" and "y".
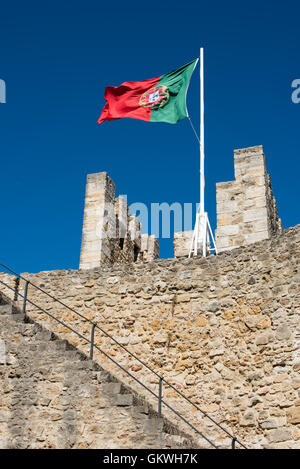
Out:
{"x": 202, "y": 180}
{"x": 202, "y": 231}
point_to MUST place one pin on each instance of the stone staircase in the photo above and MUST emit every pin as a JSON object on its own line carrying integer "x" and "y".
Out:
{"x": 53, "y": 396}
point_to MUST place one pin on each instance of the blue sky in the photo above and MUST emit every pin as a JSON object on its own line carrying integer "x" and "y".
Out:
{"x": 56, "y": 59}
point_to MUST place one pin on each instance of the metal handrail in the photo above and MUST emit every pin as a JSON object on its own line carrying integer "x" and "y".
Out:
{"x": 91, "y": 341}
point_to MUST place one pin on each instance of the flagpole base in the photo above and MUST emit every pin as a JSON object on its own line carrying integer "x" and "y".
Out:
{"x": 203, "y": 242}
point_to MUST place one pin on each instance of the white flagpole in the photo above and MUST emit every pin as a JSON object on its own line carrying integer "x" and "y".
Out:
{"x": 202, "y": 180}
{"x": 202, "y": 232}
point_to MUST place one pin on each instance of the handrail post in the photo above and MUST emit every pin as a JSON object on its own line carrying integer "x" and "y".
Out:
{"x": 25, "y": 296}
{"x": 92, "y": 342}
{"x": 159, "y": 396}
{"x": 233, "y": 442}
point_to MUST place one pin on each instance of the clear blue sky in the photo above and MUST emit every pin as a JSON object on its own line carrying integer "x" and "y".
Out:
{"x": 56, "y": 59}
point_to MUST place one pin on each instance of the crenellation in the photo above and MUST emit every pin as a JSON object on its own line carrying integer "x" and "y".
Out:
{"x": 149, "y": 247}
{"x": 182, "y": 243}
{"x": 122, "y": 214}
{"x": 109, "y": 234}
{"x": 135, "y": 230}
{"x": 246, "y": 213}
{"x": 99, "y": 220}
{"x": 246, "y": 203}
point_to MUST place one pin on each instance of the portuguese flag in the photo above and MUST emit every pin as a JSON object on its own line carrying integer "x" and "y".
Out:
{"x": 160, "y": 99}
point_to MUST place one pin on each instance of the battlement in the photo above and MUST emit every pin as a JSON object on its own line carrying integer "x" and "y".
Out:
{"x": 246, "y": 213}
{"x": 109, "y": 234}
{"x": 246, "y": 208}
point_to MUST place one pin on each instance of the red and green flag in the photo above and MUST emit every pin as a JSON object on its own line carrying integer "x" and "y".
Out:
{"x": 160, "y": 99}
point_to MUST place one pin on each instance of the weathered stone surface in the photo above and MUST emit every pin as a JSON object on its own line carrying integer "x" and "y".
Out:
{"x": 242, "y": 357}
{"x": 61, "y": 400}
{"x": 268, "y": 424}
{"x": 279, "y": 435}
{"x": 246, "y": 207}
{"x": 213, "y": 306}
{"x": 262, "y": 339}
{"x": 109, "y": 234}
{"x": 283, "y": 332}
{"x": 293, "y": 415}
{"x": 201, "y": 322}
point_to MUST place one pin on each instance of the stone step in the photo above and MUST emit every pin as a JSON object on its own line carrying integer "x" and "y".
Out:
{"x": 112, "y": 388}
{"x": 142, "y": 409}
{"x": 103, "y": 376}
{"x": 90, "y": 380}
{"x": 18, "y": 317}
{"x": 33, "y": 330}
{"x": 5, "y": 309}
{"x": 76, "y": 357}
{"x": 154, "y": 424}
{"x": 42, "y": 334}
{"x": 176, "y": 440}
{"x": 27, "y": 329}
{"x": 59, "y": 345}
{"x": 123, "y": 400}
{"x": 48, "y": 346}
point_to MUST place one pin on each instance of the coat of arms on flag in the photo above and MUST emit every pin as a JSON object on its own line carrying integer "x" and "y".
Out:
{"x": 155, "y": 98}
{"x": 160, "y": 99}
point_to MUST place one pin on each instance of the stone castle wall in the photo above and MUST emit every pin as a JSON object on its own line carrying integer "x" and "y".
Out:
{"x": 109, "y": 234}
{"x": 224, "y": 330}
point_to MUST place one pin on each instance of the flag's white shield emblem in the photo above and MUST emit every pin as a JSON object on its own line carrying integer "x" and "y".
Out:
{"x": 155, "y": 97}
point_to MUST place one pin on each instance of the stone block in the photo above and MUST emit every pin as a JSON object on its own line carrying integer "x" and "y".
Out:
{"x": 228, "y": 206}
{"x": 283, "y": 332}
{"x": 223, "y": 243}
{"x": 279, "y": 435}
{"x": 256, "y": 192}
{"x": 255, "y": 237}
{"x": 135, "y": 230}
{"x": 182, "y": 243}
{"x": 228, "y": 230}
{"x": 225, "y": 219}
{"x": 123, "y": 400}
{"x": 112, "y": 388}
{"x": 256, "y": 214}
{"x": 293, "y": 415}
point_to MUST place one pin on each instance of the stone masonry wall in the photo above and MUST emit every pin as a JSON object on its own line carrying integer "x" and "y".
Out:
{"x": 52, "y": 396}
{"x": 224, "y": 330}
{"x": 109, "y": 234}
{"x": 246, "y": 207}
{"x": 99, "y": 223}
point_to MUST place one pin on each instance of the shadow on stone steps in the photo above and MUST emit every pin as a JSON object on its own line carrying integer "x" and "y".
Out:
{"x": 122, "y": 395}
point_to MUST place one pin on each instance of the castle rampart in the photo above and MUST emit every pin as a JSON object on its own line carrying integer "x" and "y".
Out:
{"x": 224, "y": 330}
